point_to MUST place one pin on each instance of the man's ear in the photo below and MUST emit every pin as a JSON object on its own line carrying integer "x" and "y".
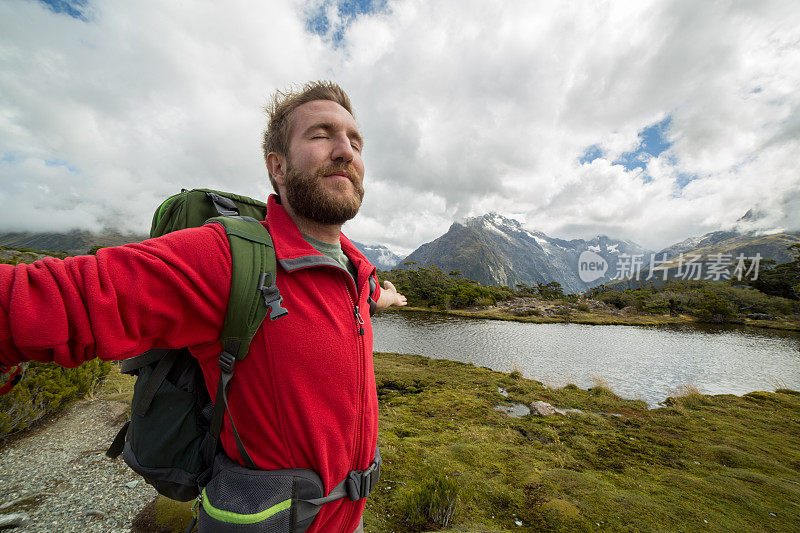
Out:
{"x": 277, "y": 164}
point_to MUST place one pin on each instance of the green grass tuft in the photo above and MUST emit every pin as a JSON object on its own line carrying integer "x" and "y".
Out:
{"x": 432, "y": 504}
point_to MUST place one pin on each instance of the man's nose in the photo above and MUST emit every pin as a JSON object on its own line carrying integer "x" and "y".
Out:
{"x": 342, "y": 149}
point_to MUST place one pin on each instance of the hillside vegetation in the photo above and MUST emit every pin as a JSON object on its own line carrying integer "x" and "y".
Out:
{"x": 707, "y": 301}
{"x": 45, "y": 388}
{"x": 774, "y": 293}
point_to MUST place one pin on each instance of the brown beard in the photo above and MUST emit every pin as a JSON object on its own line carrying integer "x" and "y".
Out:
{"x": 307, "y": 197}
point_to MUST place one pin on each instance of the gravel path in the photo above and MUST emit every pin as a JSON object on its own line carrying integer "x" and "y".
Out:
{"x": 59, "y": 475}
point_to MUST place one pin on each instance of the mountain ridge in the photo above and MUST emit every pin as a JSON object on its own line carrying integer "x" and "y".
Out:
{"x": 74, "y": 242}
{"x": 496, "y": 250}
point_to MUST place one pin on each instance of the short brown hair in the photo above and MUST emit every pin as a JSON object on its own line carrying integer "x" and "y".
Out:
{"x": 279, "y": 111}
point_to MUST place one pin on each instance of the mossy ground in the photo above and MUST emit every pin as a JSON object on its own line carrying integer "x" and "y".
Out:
{"x": 719, "y": 463}
{"x": 453, "y": 463}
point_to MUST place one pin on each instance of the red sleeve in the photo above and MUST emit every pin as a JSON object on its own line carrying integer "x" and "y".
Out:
{"x": 166, "y": 292}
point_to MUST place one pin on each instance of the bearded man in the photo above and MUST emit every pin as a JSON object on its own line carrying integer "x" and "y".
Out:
{"x": 305, "y": 395}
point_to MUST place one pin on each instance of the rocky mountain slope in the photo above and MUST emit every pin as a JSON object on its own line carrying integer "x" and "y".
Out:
{"x": 496, "y": 250}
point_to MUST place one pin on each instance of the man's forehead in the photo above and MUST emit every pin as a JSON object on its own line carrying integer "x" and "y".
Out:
{"x": 321, "y": 112}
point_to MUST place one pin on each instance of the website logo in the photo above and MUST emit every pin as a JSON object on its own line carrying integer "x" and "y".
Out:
{"x": 690, "y": 267}
{"x": 591, "y": 266}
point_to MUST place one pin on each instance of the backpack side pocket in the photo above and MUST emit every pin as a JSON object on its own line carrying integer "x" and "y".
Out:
{"x": 242, "y": 500}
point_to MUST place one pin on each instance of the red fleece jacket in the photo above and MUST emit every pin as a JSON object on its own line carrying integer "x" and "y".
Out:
{"x": 305, "y": 395}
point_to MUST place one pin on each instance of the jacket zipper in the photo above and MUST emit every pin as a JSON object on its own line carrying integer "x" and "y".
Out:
{"x": 362, "y": 380}
{"x": 359, "y": 322}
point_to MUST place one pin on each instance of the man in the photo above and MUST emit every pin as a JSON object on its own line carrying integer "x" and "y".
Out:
{"x": 304, "y": 397}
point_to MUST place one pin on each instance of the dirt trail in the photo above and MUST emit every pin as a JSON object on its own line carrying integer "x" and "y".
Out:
{"x": 59, "y": 475}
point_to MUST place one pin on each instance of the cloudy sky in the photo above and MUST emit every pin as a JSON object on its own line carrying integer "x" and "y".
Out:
{"x": 649, "y": 120}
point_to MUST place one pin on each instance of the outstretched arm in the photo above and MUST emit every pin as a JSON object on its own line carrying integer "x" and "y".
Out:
{"x": 166, "y": 292}
{"x": 389, "y": 296}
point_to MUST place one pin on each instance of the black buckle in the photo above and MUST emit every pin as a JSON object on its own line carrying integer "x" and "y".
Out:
{"x": 226, "y": 362}
{"x": 272, "y": 296}
{"x": 361, "y": 482}
{"x": 224, "y": 206}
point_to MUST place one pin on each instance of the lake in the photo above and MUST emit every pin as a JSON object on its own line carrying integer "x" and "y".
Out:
{"x": 648, "y": 363}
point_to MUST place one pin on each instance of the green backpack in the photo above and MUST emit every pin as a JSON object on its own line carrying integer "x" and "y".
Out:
{"x": 172, "y": 436}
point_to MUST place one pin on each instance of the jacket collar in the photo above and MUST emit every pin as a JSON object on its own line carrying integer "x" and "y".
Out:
{"x": 293, "y": 252}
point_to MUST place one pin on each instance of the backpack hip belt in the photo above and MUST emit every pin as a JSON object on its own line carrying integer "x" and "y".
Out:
{"x": 279, "y": 501}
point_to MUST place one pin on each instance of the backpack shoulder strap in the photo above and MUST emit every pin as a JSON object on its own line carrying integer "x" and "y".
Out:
{"x": 253, "y": 294}
{"x": 253, "y": 289}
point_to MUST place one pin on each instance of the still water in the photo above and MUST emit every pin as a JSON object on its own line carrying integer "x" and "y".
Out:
{"x": 648, "y": 363}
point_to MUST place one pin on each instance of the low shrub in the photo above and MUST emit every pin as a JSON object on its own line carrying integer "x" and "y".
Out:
{"x": 433, "y": 504}
{"x": 706, "y": 300}
{"x": 686, "y": 396}
{"x": 713, "y": 308}
{"x": 44, "y": 388}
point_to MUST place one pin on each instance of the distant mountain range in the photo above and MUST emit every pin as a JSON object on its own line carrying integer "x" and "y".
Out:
{"x": 734, "y": 243}
{"x": 74, "y": 242}
{"x": 715, "y": 248}
{"x": 496, "y": 250}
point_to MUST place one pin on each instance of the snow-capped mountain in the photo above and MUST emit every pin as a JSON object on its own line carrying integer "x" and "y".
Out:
{"x": 496, "y": 250}
{"x": 692, "y": 243}
{"x": 378, "y": 254}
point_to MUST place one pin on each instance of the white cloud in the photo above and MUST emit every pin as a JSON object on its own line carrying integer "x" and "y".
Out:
{"x": 482, "y": 106}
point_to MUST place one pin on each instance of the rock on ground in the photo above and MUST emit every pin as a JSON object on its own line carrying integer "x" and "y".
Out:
{"x": 542, "y": 409}
{"x": 8, "y": 521}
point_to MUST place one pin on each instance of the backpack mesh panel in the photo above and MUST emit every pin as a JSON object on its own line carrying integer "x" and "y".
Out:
{"x": 242, "y": 491}
{"x": 246, "y": 493}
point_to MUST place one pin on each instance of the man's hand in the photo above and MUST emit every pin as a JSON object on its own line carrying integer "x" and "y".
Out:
{"x": 390, "y": 296}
